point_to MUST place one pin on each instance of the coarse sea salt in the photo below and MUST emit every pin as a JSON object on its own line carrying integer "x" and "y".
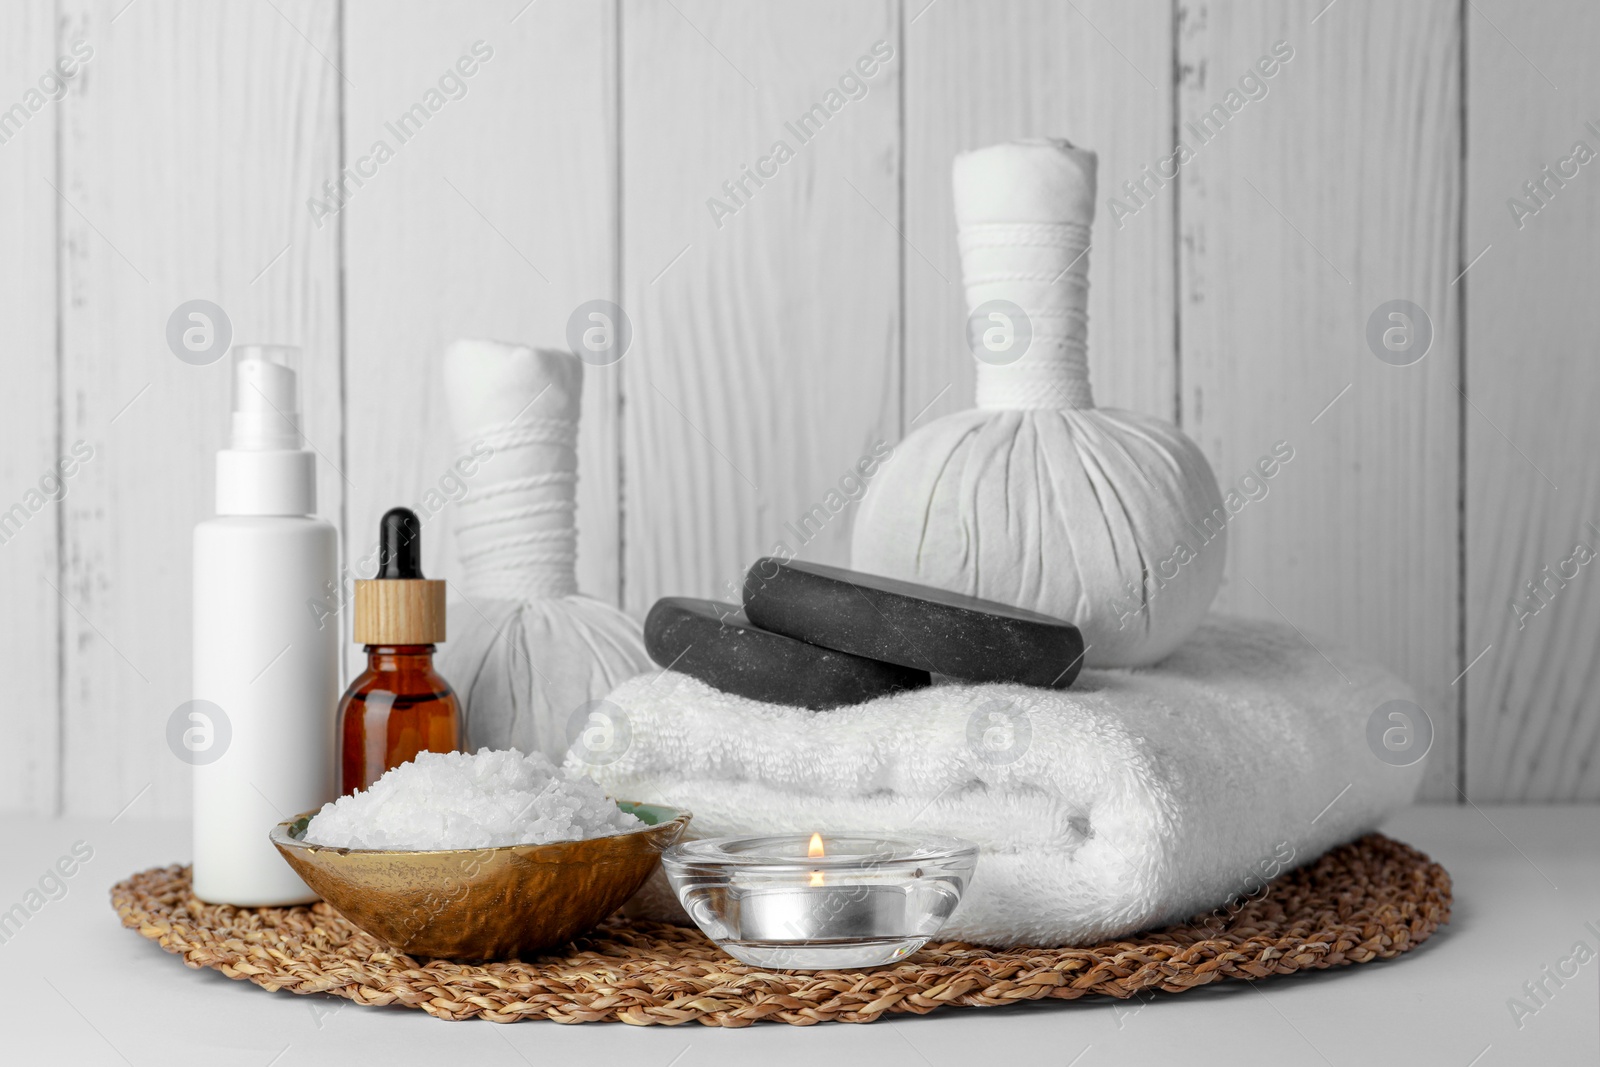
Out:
{"x": 445, "y": 800}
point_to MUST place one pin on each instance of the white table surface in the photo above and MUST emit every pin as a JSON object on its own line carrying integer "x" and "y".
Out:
{"x": 77, "y": 988}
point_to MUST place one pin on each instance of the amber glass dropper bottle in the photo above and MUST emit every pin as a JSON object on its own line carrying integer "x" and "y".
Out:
{"x": 399, "y": 705}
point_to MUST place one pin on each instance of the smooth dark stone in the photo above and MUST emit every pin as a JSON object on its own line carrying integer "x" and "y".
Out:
{"x": 715, "y": 643}
{"x": 912, "y": 625}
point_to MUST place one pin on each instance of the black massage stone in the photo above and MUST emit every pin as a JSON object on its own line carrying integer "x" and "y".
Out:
{"x": 912, "y": 625}
{"x": 715, "y": 643}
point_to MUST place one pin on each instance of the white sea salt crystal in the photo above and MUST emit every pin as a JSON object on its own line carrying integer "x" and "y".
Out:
{"x": 443, "y": 800}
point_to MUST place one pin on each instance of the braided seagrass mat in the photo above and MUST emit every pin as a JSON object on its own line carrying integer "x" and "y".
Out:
{"x": 1371, "y": 899}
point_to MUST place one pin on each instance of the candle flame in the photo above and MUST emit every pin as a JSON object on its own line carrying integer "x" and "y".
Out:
{"x": 813, "y": 850}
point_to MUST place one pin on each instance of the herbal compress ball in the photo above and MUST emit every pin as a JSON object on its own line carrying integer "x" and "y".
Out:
{"x": 529, "y": 655}
{"x": 1107, "y": 518}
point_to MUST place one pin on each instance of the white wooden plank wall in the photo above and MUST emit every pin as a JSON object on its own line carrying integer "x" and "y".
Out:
{"x": 1334, "y": 192}
{"x": 777, "y": 338}
{"x": 30, "y": 766}
{"x": 1533, "y": 486}
{"x": 766, "y": 347}
{"x": 1099, "y": 73}
{"x": 477, "y": 227}
{"x": 186, "y": 152}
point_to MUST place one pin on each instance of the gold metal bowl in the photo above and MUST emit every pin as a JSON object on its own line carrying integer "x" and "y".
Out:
{"x": 483, "y": 903}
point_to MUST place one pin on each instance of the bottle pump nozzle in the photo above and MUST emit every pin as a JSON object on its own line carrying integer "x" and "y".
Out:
{"x": 266, "y": 468}
{"x": 266, "y": 398}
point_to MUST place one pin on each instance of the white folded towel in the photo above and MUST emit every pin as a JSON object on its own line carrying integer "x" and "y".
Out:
{"x": 1133, "y": 799}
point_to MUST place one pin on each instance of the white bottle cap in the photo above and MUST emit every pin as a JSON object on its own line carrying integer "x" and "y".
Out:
{"x": 265, "y": 470}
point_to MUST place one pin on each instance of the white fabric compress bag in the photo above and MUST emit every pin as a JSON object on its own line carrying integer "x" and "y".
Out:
{"x": 1036, "y": 497}
{"x": 528, "y": 654}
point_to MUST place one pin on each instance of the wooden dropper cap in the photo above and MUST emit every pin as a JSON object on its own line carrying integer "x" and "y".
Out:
{"x": 399, "y": 606}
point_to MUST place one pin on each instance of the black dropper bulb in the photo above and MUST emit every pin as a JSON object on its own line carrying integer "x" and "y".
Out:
{"x": 400, "y": 544}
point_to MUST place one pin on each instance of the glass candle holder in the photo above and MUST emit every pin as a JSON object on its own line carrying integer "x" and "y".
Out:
{"x": 820, "y": 901}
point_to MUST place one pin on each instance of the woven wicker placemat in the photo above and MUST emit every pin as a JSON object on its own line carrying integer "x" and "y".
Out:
{"x": 1371, "y": 899}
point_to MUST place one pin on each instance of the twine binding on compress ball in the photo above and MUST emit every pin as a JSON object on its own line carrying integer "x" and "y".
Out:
{"x": 1372, "y": 899}
{"x": 515, "y": 515}
{"x": 1042, "y": 268}
{"x": 529, "y": 430}
{"x": 506, "y": 514}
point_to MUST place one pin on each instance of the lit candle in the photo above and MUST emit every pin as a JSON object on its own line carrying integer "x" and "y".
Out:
{"x": 816, "y": 911}
{"x": 809, "y": 902}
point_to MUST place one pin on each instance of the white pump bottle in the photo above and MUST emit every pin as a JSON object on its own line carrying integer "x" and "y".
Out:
{"x": 265, "y": 656}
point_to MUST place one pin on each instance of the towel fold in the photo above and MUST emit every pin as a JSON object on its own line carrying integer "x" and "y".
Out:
{"x": 1134, "y": 799}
